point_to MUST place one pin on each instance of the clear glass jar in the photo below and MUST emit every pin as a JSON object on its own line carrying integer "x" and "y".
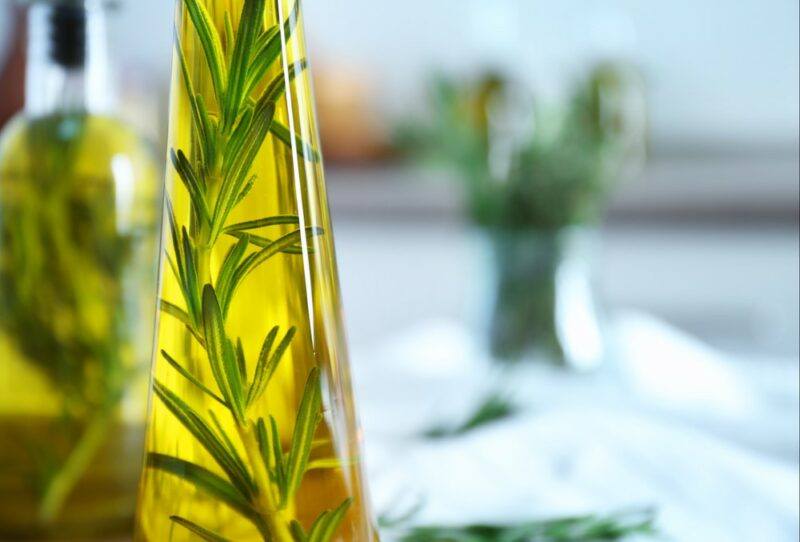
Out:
{"x": 544, "y": 307}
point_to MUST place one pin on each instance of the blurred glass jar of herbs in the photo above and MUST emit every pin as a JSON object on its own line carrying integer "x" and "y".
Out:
{"x": 79, "y": 207}
{"x": 537, "y": 177}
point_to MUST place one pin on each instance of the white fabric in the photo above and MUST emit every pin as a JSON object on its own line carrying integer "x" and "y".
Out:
{"x": 710, "y": 442}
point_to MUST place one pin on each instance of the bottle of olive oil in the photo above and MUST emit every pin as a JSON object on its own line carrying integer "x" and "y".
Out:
{"x": 252, "y": 433}
{"x": 79, "y": 213}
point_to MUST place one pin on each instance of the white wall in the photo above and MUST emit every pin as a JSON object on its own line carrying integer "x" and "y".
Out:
{"x": 719, "y": 71}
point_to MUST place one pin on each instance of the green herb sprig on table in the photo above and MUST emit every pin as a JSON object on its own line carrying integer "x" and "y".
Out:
{"x": 589, "y": 528}
{"x": 260, "y": 483}
{"x": 494, "y": 408}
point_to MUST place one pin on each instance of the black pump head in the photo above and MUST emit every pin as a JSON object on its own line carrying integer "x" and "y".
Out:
{"x": 67, "y": 29}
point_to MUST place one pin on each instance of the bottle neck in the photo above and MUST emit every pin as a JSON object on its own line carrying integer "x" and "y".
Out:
{"x": 68, "y": 68}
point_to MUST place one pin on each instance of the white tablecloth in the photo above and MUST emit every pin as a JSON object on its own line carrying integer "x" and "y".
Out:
{"x": 710, "y": 442}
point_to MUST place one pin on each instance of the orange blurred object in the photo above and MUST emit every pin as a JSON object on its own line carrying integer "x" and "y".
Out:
{"x": 351, "y": 129}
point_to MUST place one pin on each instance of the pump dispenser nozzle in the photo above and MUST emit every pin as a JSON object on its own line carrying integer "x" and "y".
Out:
{"x": 67, "y": 34}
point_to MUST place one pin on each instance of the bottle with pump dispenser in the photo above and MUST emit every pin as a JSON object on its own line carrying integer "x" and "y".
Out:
{"x": 79, "y": 214}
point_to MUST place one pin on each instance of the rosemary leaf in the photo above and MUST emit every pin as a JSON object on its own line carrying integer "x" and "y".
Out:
{"x": 237, "y": 139}
{"x": 269, "y": 52}
{"x": 264, "y": 242}
{"x": 188, "y": 175}
{"x": 268, "y": 364}
{"x": 235, "y": 378}
{"x": 209, "y": 126}
{"x": 262, "y": 41}
{"x": 232, "y": 260}
{"x": 190, "y": 271}
{"x": 304, "y": 150}
{"x": 276, "y": 247}
{"x": 176, "y": 249}
{"x": 180, "y": 314}
{"x": 278, "y": 456}
{"x": 308, "y": 418}
{"x": 221, "y": 355}
{"x": 590, "y": 528}
{"x": 264, "y": 445}
{"x": 252, "y": 132}
{"x": 255, "y": 260}
{"x": 280, "y": 220}
{"x": 249, "y": 23}
{"x": 265, "y": 55}
{"x": 230, "y": 39}
{"x": 241, "y": 360}
{"x": 263, "y": 116}
{"x": 263, "y": 360}
{"x": 202, "y": 532}
{"x": 324, "y": 464}
{"x": 203, "y": 479}
{"x": 209, "y": 39}
{"x": 206, "y": 437}
{"x": 191, "y": 378}
{"x": 277, "y": 86}
{"x": 494, "y": 408}
{"x": 326, "y": 524}
{"x": 174, "y": 268}
{"x": 298, "y": 533}
{"x": 197, "y": 114}
{"x": 193, "y": 186}
{"x": 234, "y": 453}
{"x": 175, "y": 311}
{"x": 246, "y": 190}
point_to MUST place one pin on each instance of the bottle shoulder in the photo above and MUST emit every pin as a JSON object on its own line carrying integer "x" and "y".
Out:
{"x": 92, "y": 142}
{"x": 100, "y": 135}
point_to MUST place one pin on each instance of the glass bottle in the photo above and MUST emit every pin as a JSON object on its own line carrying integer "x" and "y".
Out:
{"x": 543, "y": 308}
{"x": 252, "y": 433}
{"x": 79, "y": 216}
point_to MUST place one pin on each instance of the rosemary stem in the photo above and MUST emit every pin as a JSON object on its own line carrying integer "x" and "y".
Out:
{"x": 266, "y": 505}
{"x": 75, "y": 467}
{"x": 204, "y": 264}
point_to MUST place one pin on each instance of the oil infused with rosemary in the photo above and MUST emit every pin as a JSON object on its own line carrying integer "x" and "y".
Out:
{"x": 252, "y": 432}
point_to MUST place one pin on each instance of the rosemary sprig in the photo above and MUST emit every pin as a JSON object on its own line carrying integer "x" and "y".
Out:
{"x": 260, "y": 478}
{"x": 589, "y": 528}
{"x": 493, "y": 408}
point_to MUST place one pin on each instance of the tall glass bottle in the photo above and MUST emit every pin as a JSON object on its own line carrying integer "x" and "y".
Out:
{"x": 252, "y": 433}
{"x": 78, "y": 251}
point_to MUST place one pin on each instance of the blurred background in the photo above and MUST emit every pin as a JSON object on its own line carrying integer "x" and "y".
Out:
{"x": 693, "y": 263}
{"x": 706, "y": 236}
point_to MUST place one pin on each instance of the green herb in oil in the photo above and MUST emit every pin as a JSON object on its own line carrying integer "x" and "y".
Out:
{"x": 259, "y": 477}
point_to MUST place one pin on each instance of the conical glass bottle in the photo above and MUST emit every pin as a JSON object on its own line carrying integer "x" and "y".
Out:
{"x": 79, "y": 214}
{"x": 252, "y": 433}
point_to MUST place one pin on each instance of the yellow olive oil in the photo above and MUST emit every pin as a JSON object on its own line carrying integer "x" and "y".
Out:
{"x": 252, "y": 433}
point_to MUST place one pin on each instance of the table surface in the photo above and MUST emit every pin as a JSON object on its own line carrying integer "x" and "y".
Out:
{"x": 698, "y": 416}
{"x": 707, "y": 441}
